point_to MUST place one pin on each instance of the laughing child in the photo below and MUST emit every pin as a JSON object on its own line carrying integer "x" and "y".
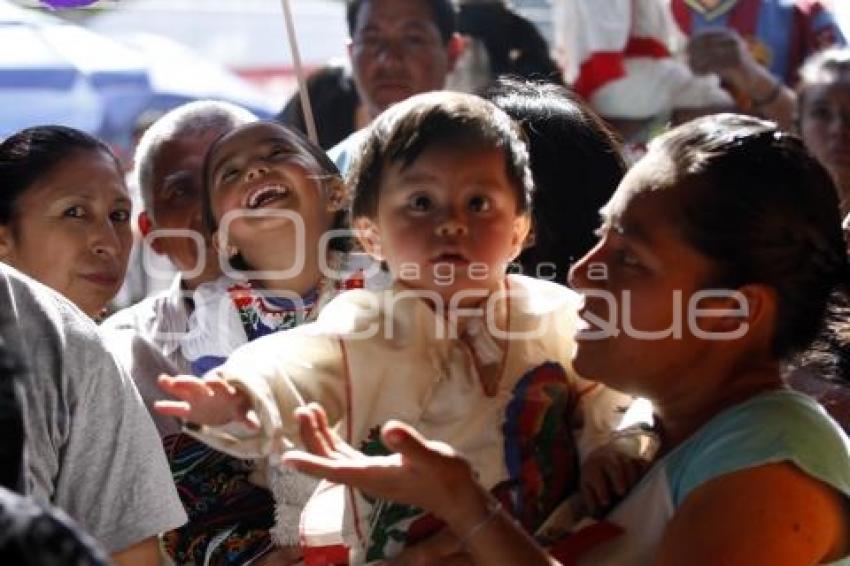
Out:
{"x": 268, "y": 197}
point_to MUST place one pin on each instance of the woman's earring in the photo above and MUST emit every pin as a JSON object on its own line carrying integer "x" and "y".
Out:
{"x": 232, "y": 251}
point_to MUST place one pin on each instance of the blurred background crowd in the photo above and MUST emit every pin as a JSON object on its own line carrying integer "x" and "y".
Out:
{"x": 142, "y": 104}
{"x": 113, "y": 67}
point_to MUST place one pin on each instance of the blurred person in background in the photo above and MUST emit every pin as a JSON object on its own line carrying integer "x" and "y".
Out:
{"x": 335, "y": 102}
{"x": 137, "y": 285}
{"x": 823, "y": 118}
{"x": 823, "y": 114}
{"x": 496, "y": 41}
{"x": 499, "y": 42}
{"x": 620, "y": 56}
{"x": 756, "y": 47}
{"x": 397, "y": 49}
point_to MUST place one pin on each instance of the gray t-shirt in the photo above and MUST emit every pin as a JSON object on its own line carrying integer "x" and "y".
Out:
{"x": 146, "y": 340}
{"x": 91, "y": 447}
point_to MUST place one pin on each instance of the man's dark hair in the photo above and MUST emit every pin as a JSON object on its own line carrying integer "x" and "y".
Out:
{"x": 444, "y": 13}
{"x": 436, "y": 119}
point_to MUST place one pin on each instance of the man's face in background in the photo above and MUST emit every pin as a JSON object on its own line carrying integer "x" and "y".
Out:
{"x": 397, "y": 51}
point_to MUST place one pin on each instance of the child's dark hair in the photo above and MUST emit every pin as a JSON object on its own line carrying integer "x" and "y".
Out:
{"x": 402, "y": 133}
{"x": 761, "y": 207}
{"x": 328, "y": 173}
{"x": 445, "y": 17}
{"x": 30, "y": 154}
{"x": 576, "y": 163}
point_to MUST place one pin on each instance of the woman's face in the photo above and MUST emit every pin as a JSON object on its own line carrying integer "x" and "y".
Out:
{"x": 635, "y": 333}
{"x": 264, "y": 189}
{"x": 825, "y": 126}
{"x": 71, "y": 230}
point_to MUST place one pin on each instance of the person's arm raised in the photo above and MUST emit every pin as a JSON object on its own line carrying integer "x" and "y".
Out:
{"x": 427, "y": 474}
{"x": 772, "y": 514}
{"x": 725, "y": 52}
{"x": 210, "y": 401}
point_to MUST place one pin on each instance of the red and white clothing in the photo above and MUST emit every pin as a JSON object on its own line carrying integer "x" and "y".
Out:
{"x": 620, "y": 56}
{"x": 780, "y": 33}
{"x": 375, "y": 356}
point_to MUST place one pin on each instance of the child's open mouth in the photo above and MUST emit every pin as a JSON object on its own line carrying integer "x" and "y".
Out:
{"x": 266, "y": 195}
{"x": 451, "y": 258}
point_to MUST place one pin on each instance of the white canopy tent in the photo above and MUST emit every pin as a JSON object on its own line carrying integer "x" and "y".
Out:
{"x": 52, "y": 71}
{"x": 842, "y": 12}
{"x": 178, "y": 74}
{"x": 247, "y": 36}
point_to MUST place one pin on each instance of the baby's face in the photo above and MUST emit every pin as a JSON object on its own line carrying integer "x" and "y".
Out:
{"x": 264, "y": 189}
{"x": 449, "y": 223}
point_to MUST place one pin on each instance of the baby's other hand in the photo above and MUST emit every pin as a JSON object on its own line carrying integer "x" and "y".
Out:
{"x": 607, "y": 474}
{"x": 210, "y": 401}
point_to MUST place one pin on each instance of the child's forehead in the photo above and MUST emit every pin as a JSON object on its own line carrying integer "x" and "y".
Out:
{"x": 249, "y": 136}
{"x": 437, "y": 155}
{"x": 445, "y": 159}
{"x": 446, "y": 168}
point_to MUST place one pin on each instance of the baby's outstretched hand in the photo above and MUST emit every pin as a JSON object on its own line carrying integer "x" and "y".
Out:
{"x": 210, "y": 401}
{"x": 607, "y": 474}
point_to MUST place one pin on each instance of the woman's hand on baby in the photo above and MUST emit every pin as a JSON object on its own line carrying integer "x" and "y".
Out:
{"x": 607, "y": 475}
{"x": 426, "y": 474}
{"x": 210, "y": 401}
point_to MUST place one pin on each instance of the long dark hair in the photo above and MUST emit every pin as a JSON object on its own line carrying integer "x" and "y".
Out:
{"x": 576, "y": 163}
